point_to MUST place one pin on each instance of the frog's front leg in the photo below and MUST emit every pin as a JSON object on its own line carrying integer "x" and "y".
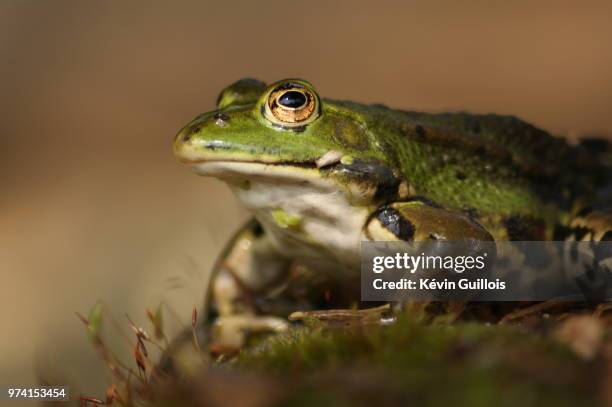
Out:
{"x": 421, "y": 220}
{"x": 247, "y": 270}
{"x": 416, "y": 220}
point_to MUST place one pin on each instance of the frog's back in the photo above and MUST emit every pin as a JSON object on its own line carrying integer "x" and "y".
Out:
{"x": 491, "y": 163}
{"x": 531, "y": 150}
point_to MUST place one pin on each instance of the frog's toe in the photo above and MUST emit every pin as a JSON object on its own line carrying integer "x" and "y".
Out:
{"x": 593, "y": 225}
{"x": 232, "y": 331}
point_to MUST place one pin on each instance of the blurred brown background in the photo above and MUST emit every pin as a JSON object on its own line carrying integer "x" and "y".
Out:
{"x": 94, "y": 205}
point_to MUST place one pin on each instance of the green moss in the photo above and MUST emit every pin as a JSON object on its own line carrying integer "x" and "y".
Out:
{"x": 433, "y": 364}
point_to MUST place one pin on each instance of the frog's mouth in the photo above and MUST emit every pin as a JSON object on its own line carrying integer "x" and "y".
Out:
{"x": 289, "y": 172}
{"x": 235, "y": 166}
{"x": 362, "y": 179}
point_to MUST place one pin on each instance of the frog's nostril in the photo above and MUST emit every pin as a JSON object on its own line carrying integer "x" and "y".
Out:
{"x": 221, "y": 119}
{"x": 184, "y": 135}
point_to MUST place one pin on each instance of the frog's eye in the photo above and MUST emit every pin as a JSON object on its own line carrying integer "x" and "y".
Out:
{"x": 291, "y": 105}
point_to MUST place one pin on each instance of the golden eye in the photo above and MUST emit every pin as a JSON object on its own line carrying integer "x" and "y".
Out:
{"x": 291, "y": 105}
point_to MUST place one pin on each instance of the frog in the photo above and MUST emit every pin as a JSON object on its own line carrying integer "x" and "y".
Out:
{"x": 320, "y": 176}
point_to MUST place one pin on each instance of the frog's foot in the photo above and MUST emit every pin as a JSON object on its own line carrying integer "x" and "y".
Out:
{"x": 192, "y": 348}
{"x": 593, "y": 224}
{"x": 382, "y": 315}
{"x": 229, "y": 333}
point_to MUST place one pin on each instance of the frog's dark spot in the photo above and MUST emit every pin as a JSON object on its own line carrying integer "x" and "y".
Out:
{"x": 387, "y": 184}
{"x": 562, "y": 232}
{"x": 420, "y": 131}
{"x": 372, "y": 173}
{"x": 393, "y": 221}
{"x": 258, "y": 230}
{"x": 607, "y": 236}
{"x": 187, "y": 136}
{"x": 195, "y": 128}
{"x": 434, "y": 236}
{"x": 603, "y": 208}
{"x": 386, "y": 191}
{"x": 471, "y": 212}
{"x": 580, "y": 232}
{"x": 523, "y": 228}
{"x": 460, "y": 175}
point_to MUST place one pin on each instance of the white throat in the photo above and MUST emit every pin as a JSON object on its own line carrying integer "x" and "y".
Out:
{"x": 330, "y": 226}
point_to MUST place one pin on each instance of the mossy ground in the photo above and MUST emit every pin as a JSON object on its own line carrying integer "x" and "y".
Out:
{"x": 422, "y": 359}
{"x": 463, "y": 364}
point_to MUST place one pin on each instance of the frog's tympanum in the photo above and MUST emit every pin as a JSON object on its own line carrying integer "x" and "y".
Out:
{"x": 322, "y": 175}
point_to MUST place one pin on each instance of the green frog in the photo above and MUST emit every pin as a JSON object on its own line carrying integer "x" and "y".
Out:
{"x": 321, "y": 175}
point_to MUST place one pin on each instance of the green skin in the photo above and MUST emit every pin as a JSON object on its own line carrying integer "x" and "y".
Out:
{"x": 488, "y": 164}
{"x": 447, "y": 176}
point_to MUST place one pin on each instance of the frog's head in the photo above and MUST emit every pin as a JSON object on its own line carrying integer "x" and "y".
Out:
{"x": 282, "y": 131}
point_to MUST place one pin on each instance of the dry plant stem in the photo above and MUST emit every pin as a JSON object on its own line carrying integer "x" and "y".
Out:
{"x": 145, "y": 363}
{"x": 522, "y": 313}
{"x": 86, "y": 399}
{"x": 602, "y": 308}
{"x": 342, "y": 315}
{"x": 194, "y": 321}
{"x": 196, "y": 342}
{"x": 111, "y": 360}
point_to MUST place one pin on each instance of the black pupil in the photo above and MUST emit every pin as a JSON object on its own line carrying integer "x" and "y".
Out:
{"x": 292, "y": 99}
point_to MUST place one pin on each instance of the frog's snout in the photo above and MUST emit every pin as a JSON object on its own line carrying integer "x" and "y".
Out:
{"x": 188, "y": 144}
{"x": 202, "y": 138}
{"x": 192, "y": 135}
{"x": 182, "y": 143}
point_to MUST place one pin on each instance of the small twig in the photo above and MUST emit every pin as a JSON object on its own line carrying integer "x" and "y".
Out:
{"x": 522, "y": 313}
{"x": 194, "y": 321}
{"x": 601, "y": 309}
